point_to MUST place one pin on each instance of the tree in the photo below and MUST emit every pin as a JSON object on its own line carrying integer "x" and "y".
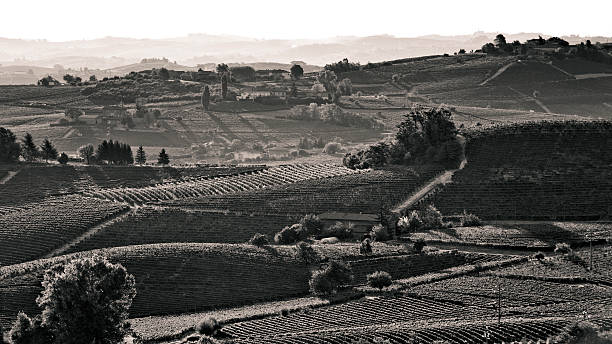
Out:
{"x": 63, "y": 159}
{"x": 92, "y": 78}
{"x": 311, "y": 224}
{"x": 222, "y": 68}
{"x": 163, "y": 73}
{"x": 379, "y": 279}
{"x": 29, "y": 331}
{"x": 69, "y": 78}
{"x": 29, "y": 151}
{"x": 44, "y": 82}
{"x": 86, "y": 152}
{"x": 87, "y": 301}
{"x": 9, "y": 147}
{"x": 224, "y": 86}
{"x": 243, "y": 73}
{"x": 141, "y": 157}
{"x": 47, "y": 150}
{"x": 163, "y": 158}
{"x": 329, "y": 80}
{"x": 73, "y": 114}
{"x": 500, "y": 41}
{"x": 297, "y": 71}
{"x": 328, "y": 280}
{"x": 206, "y": 98}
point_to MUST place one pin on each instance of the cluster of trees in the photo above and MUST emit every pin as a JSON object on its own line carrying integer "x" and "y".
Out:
{"x": 335, "y": 89}
{"x": 593, "y": 52}
{"x": 427, "y": 135}
{"x": 72, "y": 80}
{"x": 334, "y": 114}
{"x": 342, "y": 66}
{"x": 84, "y": 301}
{"x": 11, "y": 150}
{"x": 118, "y": 153}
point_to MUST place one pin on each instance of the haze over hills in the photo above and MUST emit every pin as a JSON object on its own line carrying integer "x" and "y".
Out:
{"x": 112, "y": 52}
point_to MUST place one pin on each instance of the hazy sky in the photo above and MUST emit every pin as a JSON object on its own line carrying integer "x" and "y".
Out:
{"x": 59, "y": 20}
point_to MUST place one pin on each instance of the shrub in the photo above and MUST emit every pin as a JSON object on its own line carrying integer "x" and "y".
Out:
{"x": 539, "y": 255}
{"x": 582, "y": 333}
{"x": 288, "y": 235}
{"x": 411, "y": 222}
{"x": 431, "y": 217}
{"x": 470, "y": 220}
{"x": 340, "y": 230}
{"x": 306, "y": 253}
{"x": 311, "y": 224}
{"x": 562, "y": 248}
{"x": 259, "y": 240}
{"x": 380, "y": 233}
{"x": 332, "y": 148}
{"x": 379, "y": 279}
{"x": 327, "y": 281}
{"x": 208, "y": 327}
{"x": 29, "y": 331}
{"x": 63, "y": 159}
{"x": 418, "y": 245}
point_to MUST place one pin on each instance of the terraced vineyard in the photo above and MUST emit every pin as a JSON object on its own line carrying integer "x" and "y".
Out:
{"x": 541, "y": 171}
{"x": 30, "y": 232}
{"x": 365, "y": 192}
{"x": 457, "y": 333}
{"x": 541, "y": 235}
{"x": 231, "y": 184}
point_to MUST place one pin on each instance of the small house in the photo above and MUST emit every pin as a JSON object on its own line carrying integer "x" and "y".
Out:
{"x": 362, "y": 222}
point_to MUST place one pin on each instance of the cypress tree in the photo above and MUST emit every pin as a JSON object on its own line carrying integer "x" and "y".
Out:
{"x": 29, "y": 151}
{"x": 224, "y": 86}
{"x": 141, "y": 157}
{"x": 163, "y": 158}
{"x": 47, "y": 151}
{"x": 206, "y": 98}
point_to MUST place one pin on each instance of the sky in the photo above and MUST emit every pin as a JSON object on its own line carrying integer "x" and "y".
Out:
{"x": 61, "y": 20}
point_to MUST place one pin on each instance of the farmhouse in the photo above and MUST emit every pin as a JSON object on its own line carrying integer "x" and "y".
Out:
{"x": 362, "y": 222}
{"x": 272, "y": 74}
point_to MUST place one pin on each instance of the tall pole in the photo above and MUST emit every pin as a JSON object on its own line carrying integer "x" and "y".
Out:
{"x": 499, "y": 302}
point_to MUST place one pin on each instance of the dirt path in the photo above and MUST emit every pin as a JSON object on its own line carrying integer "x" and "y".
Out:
{"x": 538, "y": 102}
{"x": 562, "y": 71}
{"x": 89, "y": 233}
{"x": 8, "y": 177}
{"x": 442, "y": 179}
{"x": 69, "y": 133}
{"x": 498, "y": 73}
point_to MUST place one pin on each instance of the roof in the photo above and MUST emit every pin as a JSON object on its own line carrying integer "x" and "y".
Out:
{"x": 348, "y": 216}
{"x": 266, "y": 71}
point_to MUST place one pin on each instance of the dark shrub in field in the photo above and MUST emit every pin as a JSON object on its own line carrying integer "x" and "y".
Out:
{"x": 311, "y": 225}
{"x": 208, "y": 326}
{"x": 380, "y": 233}
{"x": 470, "y": 220}
{"x": 563, "y": 248}
{"x": 340, "y": 230}
{"x": 539, "y": 255}
{"x": 259, "y": 240}
{"x": 418, "y": 245}
{"x": 306, "y": 253}
{"x": 288, "y": 235}
{"x": 327, "y": 281}
{"x": 379, "y": 279}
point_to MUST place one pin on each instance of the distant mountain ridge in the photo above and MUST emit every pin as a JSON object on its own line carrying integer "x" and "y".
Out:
{"x": 113, "y": 52}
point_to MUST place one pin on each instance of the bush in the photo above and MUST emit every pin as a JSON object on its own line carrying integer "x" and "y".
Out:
{"x": 418, "y": 245}
{"x": 29, "y": 331}
{"x": 311, "y": 224}
{"x": 339, "y": 230}
{"x": 470, "y": 220}
{"x": 411, "y": 222}
{"x": 288, "y": 235}
{"x": 562, "y": 248}
{"x": 208, "y": 327}
{"x": 259, "y": 240}
{"x": 539, "y": 255}
{"x": 431, "y": 217}
{"x": 63, "y": 159}
{"x": 380, "y": 233}
{"x": 306, "y": 253}
{"x": 583, "y": 332}
{"x": 379, "y": 279}
{"x": 327, "y": 281}
{"x": 332, "y": 148}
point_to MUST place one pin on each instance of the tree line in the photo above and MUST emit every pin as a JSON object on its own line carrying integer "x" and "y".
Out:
{"x": 107, "y": 152}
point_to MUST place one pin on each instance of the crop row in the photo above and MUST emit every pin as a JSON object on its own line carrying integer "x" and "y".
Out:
{"x": 30, "y": 232}
{"x": 223, "y": 185}
{"x": 365, "y": 193}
